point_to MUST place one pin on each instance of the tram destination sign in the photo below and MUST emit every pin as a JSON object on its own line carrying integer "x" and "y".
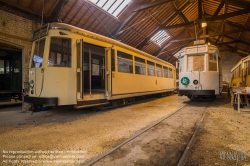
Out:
{"x": 41, "y": 32}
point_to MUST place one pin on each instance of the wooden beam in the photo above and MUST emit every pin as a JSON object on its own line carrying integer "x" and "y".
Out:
{"x": 199, "y": 9}
{"x": 219, "y": 8}
{"x": 151, "y": 4}
{"x": 224, "y": 34}
{"x": 227, "y": 15}
{"x": 140, "y": 46}
{"x": 227, "y": 32}
{"x": 226, "y": 43}
{"x": 181, "y": 40}
{"x": 118, "y": 29}
{"x": 220, "y": 17}
{"x": 178, "y": 25}
{"x": 240, "y": 3}
{"x": 184, "y": 18}
{"x": 57, "y": 10}
{"x": 236, "y": 25}
{"x": 239, "y": 41}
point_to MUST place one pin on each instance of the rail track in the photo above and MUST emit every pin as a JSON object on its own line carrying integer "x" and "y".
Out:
{"x": 185, "y": 153}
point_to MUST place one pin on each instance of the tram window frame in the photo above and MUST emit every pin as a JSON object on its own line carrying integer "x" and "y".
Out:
{"x": 158, "y": 70}
{"x": 112, "y": 60}
{"x": 165, "y": 71}
{"x": 16, "y": 65}
{"x": 237, "y": 72}
{"x": 212, "y": 62}
{"x": 170, "y": 73}
{"x": 150, "y": 68}
{"x": 124, "y": 62}
{"x": 63, "y": 58}
{"x": 193, "y": 65}
{"x": 37, "y": 64}
{"x": 181, "y": 62}
{"x": 245, "y": 69}
{"x": 140, "y": 66}
{"x": 240, "y": 70}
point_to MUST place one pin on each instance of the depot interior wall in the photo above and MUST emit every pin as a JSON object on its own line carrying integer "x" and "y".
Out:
{"x": 229, "y": 60}
{"x": 16, "y": 29}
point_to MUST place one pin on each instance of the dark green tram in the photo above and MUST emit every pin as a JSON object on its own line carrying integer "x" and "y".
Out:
{"x": 10, "y": 75}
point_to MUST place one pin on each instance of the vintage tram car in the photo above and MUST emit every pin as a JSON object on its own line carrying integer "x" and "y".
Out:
{"x": 240, "y": 73}
{"x": 72, "y": 66}
{"x": 199, "y": 71}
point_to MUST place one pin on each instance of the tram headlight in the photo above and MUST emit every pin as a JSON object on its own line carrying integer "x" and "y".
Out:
{"x": 195, "y": 82}
{"x": 31, "y": 83}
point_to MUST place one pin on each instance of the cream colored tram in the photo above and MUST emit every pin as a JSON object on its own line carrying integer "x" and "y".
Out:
{"x": 199, "y": 71}
{"x": 240, "y": 73}
{"x": 72, "y": 66}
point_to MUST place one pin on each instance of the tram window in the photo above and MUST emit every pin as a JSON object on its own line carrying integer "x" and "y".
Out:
{"x": 151, "y": 68}
{"x": 7, "y": 66}
{"x": 165, "y": 72}
{"x": 37, "y": 59}
{"x": 240, "y": 71}
{"x": 16, "y": 66}
{"x": 1, "y": 66}
{"x": 181, "y": 62}
{"x": 113, "y": 60}
{"x": 170, "y": 73}
{"x": 195, "y": 63}
{"x": 60, "y": 52}
{"x": 124, "y": 62}
{"x": 237, "y": 72}
{"x": 212, "y": 63}
{"x": 140, "y": 67}
{"x": 159, "y": 70}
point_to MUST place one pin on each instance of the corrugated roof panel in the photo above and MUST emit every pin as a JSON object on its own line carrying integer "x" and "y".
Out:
{"x": 151, "y": 48}
{"x": 180, "y": 3}
{"x": 211, "y": 6}
{"x": 191, "y": 12}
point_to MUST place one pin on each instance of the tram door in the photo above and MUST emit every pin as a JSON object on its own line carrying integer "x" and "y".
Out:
{"x": 93, "y": 71}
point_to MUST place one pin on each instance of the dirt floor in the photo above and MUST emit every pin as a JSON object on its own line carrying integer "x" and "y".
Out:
{"x": 161, "y": 145}
{"x": 224, "y": 138}
{"x": 65, "y": 136}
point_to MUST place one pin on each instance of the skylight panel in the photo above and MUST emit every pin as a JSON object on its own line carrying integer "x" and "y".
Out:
{"x": 114, "y": 7}
{"x": 160, "y": 37}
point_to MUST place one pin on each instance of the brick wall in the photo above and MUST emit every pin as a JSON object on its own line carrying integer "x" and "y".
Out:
{"x": 16, "y": 30}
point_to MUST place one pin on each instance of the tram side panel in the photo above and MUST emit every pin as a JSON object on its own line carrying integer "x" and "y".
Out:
{"x": 123, "y": 83}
